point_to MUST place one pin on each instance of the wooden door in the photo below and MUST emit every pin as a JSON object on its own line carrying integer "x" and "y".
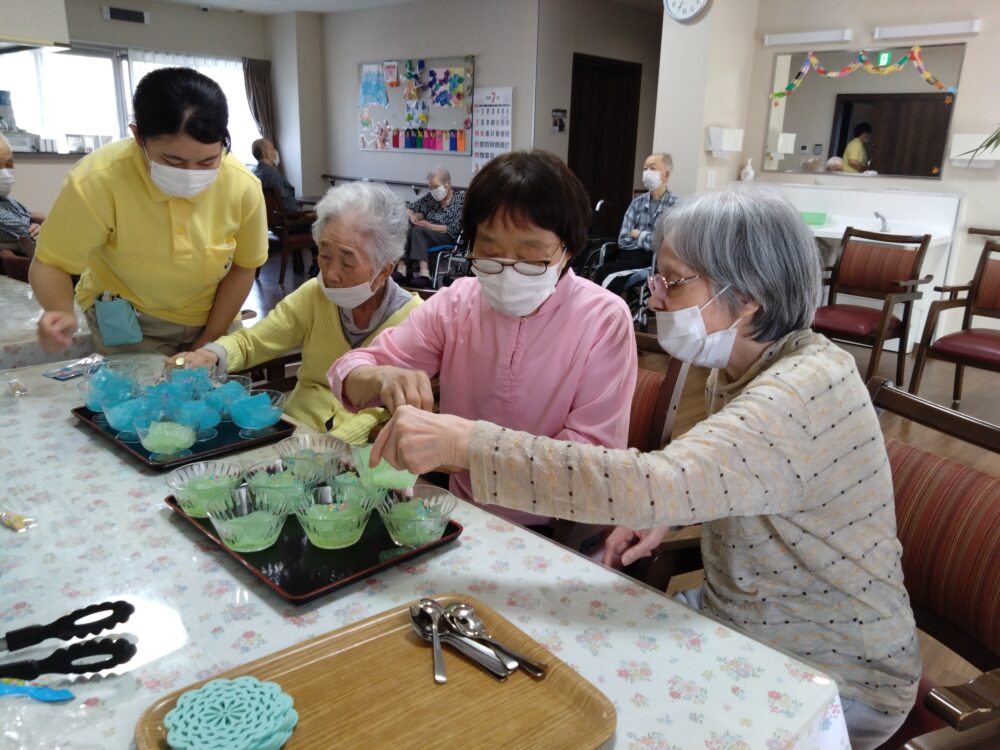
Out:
{"x": 909, "y": 130}
{"x": 604, "y": 120}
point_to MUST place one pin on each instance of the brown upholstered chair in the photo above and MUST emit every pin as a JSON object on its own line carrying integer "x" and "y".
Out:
{"x": 948, "y": 522}
{"x": 276, "y": 374}
{"x": 877, "y": 266}
{"x": 975, "y": 347}
{"x": 651, "y": 420}
{"x": 288, "y": 233}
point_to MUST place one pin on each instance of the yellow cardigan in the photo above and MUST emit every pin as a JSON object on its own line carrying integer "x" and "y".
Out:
{"x": 308, "y": 319}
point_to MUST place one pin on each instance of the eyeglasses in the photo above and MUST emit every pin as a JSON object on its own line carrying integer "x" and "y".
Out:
{"x": 660, "y": 288}
{"x": 493, "y": 266}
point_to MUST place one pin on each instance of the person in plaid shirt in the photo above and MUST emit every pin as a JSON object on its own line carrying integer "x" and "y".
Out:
{"x": 18, "y": 225}
{"x": 635, "y": 240}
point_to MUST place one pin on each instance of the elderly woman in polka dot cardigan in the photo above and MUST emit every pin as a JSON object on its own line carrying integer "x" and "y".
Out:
{"x": 788, "y": 474}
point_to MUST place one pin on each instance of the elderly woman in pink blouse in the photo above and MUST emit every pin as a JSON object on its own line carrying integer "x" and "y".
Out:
{"x": 526, "y": 344}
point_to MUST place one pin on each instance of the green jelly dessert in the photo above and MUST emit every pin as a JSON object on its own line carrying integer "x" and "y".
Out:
{"x": 350, "y": 489}
{"x": 168, "y": 437}
{"x": 202, "y": 492}
{"x": 383, "y": 475}
{"x": 334, "y": 526}
{"x": 411, "y": 523}
{"x": 250, "y": 533}
{"x": 280, "y": 490}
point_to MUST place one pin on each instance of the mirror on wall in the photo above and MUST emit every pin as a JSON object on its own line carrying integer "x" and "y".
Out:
{"x": 866, "y": 122}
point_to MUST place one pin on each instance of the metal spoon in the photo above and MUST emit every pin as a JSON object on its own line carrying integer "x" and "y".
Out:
{"x": 463, "y": 618}
{"x": 435, "y": 611}
{"x": 475, "y": 652}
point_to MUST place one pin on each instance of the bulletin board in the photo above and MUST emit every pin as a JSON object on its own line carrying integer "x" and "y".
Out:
{"x": 416, "y": 105}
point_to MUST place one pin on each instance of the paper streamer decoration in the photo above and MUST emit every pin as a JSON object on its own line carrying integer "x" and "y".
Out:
{"x": 863, "y": 63}
{"x": 372, "y": 86}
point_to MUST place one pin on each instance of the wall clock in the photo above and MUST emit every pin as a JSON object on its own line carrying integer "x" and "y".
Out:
{"x": 684, "y": 10}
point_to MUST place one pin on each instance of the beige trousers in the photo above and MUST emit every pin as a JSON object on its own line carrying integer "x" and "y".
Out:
{"x": 158, "y": 335}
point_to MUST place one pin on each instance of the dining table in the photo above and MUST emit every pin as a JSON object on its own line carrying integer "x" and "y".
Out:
{"x": 19, "y": 346}
{"x": 676, "y": 677}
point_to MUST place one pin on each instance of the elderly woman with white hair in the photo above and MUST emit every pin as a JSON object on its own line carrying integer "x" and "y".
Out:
{"x": 435, "y": 220}
{"x": 788, "y": 474}
{"x": 360, "y": 230}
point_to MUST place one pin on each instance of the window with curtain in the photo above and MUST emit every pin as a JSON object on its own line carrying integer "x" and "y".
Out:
{"x": 227, "y": 72}
{"x": 68, "y": 96}
{"x": 81, "y": 98}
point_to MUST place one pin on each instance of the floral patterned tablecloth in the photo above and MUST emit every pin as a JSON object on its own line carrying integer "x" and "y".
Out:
{"x": 19, "y": 313}
{"x": 677, "y": 679}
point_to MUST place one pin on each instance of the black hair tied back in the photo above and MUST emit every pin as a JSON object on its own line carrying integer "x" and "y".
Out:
{"x": 171, "y": 101}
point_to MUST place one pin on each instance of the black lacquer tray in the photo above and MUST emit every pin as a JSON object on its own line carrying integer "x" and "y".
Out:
{"x": 299, "y": 572}
{"x": 227, "y": 441}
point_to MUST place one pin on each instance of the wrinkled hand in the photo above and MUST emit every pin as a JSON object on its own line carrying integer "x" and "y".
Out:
{"x": 420, "y": 441}
{"x": 624, "y": 545}
{"x": 56, "y": 329}
{"x": 33, "y": 230}
{"x": 399, "y": 386}
{"x": 194, "y": 360}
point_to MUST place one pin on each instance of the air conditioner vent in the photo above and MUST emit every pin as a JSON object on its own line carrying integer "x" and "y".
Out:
{"x": 112, "y": 13}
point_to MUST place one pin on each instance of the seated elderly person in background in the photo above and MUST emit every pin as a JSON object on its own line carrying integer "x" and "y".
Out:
{"x": 270, "y": 178}
{"x": 635, "y": 240}
{"x": 527, "y": 344}
{"x": 435, "y": 220}
{"x": 789, "y": 473}
{"x": 834, "y": 164}
{"x": 360, "y": 230}
{"x": 18, "y": 225}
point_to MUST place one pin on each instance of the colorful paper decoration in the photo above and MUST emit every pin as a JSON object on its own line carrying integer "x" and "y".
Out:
{"x": 372, "y": 86}
{"x": 416, "y": 112}
{"x": 862, "y": 62}
{"x": 446, "y": 86}
{"x": 390, "y": 72}
{"x": 414, "y": 72}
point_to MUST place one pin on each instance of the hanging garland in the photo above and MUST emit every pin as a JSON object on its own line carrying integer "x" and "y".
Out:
{"x": 862, "y": 62}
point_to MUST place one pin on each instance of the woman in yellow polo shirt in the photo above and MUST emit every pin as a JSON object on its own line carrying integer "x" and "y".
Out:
{"x": 165, "y": 230}
{"x": 360, "y": 231}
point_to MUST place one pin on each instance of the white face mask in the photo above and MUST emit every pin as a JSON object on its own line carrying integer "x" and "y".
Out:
{"x": 439, "y": 193}
{"x": 277, "y": 158}
{"x": 651, "y": 179}
{"x": 514, "y": 294}
{"x": 682, "y": 335}
{"x": 6, "y": 181}
{"x": 349, "y": 297}
{"x": 182, "y": 183}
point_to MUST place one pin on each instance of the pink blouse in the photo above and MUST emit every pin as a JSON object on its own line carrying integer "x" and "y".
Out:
{"x": 566, "y": 372}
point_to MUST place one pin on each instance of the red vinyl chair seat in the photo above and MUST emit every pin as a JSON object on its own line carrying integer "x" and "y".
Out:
{"x": 979, "y": 344}
{"x": 853, "y": 320}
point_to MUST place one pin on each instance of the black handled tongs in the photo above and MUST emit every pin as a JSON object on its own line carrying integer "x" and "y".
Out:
{"x": 93, "y": 655}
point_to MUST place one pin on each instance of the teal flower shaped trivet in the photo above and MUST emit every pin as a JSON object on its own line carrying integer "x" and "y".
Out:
{"x": 240, "y": 714}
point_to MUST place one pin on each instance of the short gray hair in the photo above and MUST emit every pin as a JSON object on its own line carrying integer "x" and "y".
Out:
{"x": 755, "y": 245}
{"x": 379, "y": 211}
{"x": 441, "y": 173}
{"x": 666, "y": 159}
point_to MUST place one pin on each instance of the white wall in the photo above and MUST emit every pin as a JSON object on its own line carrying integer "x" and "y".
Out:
{"x": 172, "y": 27}
{"x": 502, "y": 36}
{"x": 703, "y": 80}
{"x": 296, "y": 50}
{"x": 809, "y": 111}
{"x": 975, "y": 106}
{"x": 35, "y": 22}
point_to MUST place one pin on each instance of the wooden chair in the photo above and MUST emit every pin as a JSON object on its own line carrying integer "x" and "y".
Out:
{"x": 654, "y": 407}
{"x": 975, "y": 347}
{"x": 286, "y": 233}
{"x": 276, "y": 374}
{"x": 876, "y": 266}
{"x": 948, "y": 522}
